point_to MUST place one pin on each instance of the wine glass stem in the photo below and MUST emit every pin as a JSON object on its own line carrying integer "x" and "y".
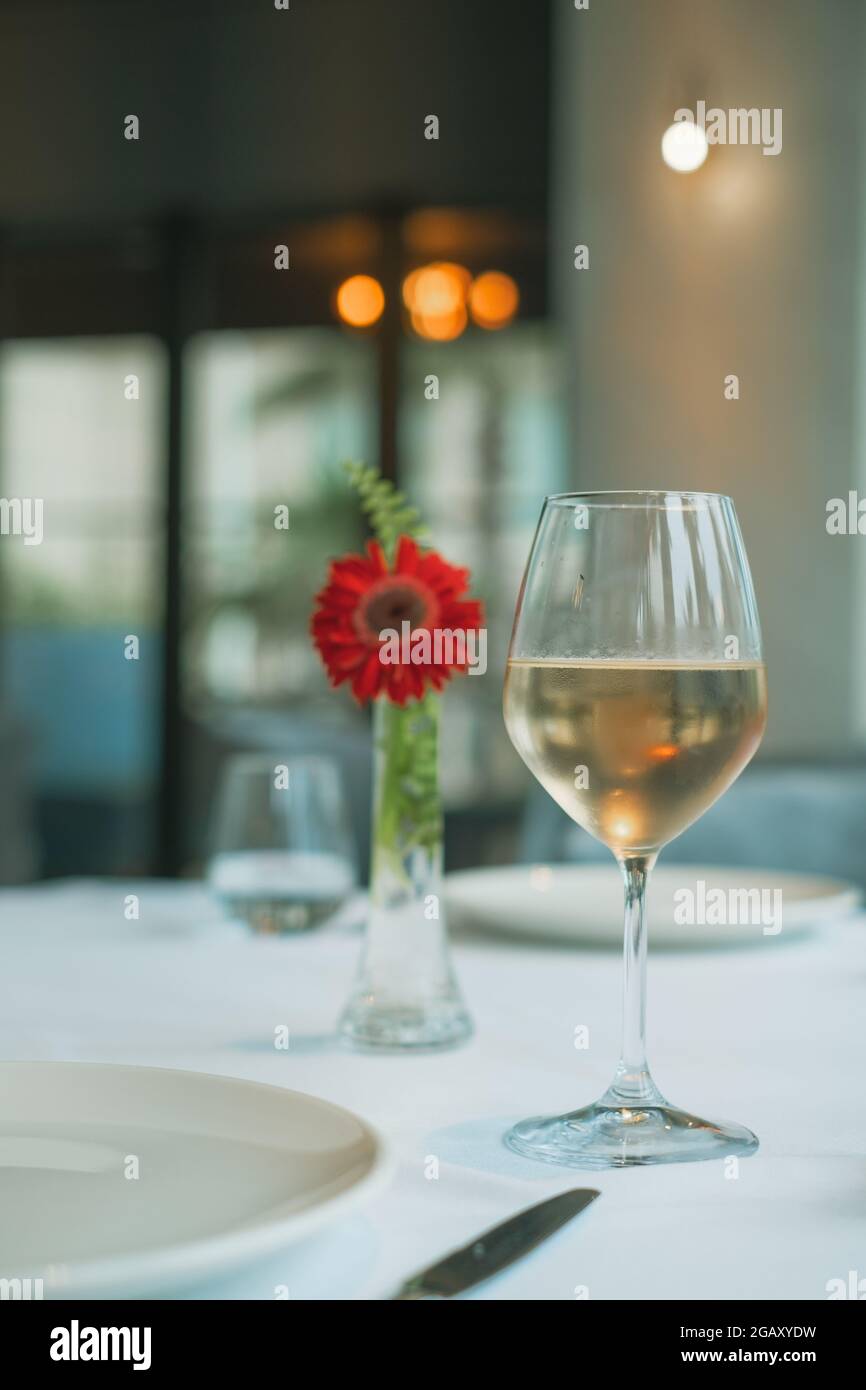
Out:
{"x": 633, "y": 1083}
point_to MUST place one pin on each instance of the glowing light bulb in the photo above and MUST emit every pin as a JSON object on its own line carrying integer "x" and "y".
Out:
{"x": 435, "y": 296}
{"x": 684, "y": 147}
{"x": 493, "y": 299}
{"x": 360, "y": 301}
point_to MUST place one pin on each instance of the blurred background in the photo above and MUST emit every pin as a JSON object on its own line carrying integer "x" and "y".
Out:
{"x": 163, "y": 387}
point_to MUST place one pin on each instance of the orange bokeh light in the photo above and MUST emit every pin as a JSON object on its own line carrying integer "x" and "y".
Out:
{"x": 663, "y": 752}
{"x": 435, "y": 296}
{"x": 360, "y": 301}
{"x": 493, "y": 299}
{"x": 437, "y": 289}
{"x": 441, "y": 327}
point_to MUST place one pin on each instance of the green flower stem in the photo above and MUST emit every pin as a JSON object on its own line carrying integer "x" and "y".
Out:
{"x": 389, "y": 513}
{"x": 408, "y": 810}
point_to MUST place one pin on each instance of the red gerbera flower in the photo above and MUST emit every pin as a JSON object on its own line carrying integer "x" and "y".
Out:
{"x": 363, "y": 599}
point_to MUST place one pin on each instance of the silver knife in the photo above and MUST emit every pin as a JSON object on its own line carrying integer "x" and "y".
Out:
{"x": 498, "y": 1248}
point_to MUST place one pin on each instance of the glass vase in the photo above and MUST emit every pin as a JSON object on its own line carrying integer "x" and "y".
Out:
{"x": 406, "y": 994}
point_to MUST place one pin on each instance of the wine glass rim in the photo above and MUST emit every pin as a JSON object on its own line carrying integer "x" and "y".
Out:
{"x": 638, "y": 493}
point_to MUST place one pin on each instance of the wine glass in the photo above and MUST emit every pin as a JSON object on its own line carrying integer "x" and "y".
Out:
{"x": 283, "y": 858}
{"x": 635, "y": 692}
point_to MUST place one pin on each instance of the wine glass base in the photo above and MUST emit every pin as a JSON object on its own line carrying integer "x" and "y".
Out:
{"x": 619, "y": 1136}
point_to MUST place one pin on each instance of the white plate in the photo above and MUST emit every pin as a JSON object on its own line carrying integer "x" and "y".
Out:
{"x": 583, "y": 903}
{"x": 227, "y": 1171}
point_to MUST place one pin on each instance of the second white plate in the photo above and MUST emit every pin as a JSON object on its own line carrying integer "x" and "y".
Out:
{"x": 583, "y": 903}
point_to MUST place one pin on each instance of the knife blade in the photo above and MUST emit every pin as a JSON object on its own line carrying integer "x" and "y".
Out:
{"x": 497, "y": 1248}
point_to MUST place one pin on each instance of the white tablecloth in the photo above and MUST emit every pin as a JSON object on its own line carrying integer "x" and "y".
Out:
{"x": 771, "y": 1036}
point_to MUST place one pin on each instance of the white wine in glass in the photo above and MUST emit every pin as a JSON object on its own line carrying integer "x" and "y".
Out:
{"x": 663, "y": 739}
{"x": 635, "y": 692}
